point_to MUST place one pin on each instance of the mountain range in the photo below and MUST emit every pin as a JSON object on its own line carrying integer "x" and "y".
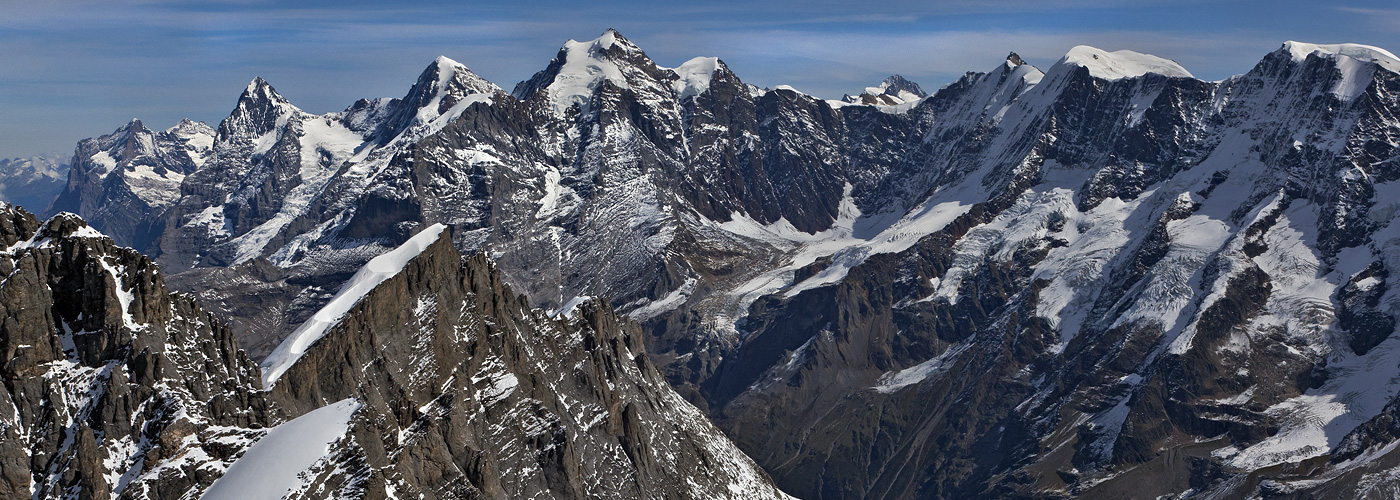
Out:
{"x": 33, "y": 181}
{"x": 1107, "y": 278}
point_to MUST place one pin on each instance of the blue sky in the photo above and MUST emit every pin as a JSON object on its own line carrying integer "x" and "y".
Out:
{"x": 75, "y": 69}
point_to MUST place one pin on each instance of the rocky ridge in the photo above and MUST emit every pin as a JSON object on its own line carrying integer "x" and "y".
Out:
{"x": 440, "y": 383}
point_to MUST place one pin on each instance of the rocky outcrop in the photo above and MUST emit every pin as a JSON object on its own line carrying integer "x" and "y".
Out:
{"x": 114, "y": 387}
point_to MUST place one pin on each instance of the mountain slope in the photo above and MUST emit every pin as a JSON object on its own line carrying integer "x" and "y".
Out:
{"x": 467, "y": 392}
{"x": 1168, "y": 291}
{"x": 1079, "y": 281}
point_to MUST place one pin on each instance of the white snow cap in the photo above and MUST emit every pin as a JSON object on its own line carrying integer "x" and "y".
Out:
{"x": 378, "y": 270}
{"x": 1122, "y": 64}
{"x": 695, "y": 76}
{"x": 585, "y": 67}
{"x": 1300, "y": 52}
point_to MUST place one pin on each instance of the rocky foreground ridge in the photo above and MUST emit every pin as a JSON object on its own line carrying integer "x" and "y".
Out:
{"x": 439, "y": 383}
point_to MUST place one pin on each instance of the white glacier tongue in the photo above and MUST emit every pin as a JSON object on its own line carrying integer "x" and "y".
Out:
{"x": 376, "y": 271}
{"x": 273, "y": 466}
{"x": 1121, "y": 64}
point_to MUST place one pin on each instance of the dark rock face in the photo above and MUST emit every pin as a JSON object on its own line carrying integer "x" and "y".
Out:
{"x": 114, "y": 386}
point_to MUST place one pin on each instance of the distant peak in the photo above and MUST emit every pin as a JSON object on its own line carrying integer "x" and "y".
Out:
{"x": 445, "y": 61}
{"x": 896, "y": 84}
{"x": 891, "y": 91}
{"x": 187, "y": 126}
{"x": 1121, "y": 64}
{"x": 1014, "y": 60}
{"x": 259, "y": 90}
{"x": 256, "y": 85}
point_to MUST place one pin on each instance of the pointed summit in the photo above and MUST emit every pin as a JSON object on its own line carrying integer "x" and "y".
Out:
{"x": 613, "y": 38}
{"x": 259, "y": 110}
{"x": 259, "y": 90}
{"x": 1014, "y": 60}
{"x": 443, "y": 83}
{"x": 134, "y": 125}
{"x": 581, "y": 67}
{"x": 899, "y": 86}
{"x": 891, "y": 91}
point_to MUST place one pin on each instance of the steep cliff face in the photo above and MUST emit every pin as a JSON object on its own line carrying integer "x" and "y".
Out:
{"x": 113, "y": 387}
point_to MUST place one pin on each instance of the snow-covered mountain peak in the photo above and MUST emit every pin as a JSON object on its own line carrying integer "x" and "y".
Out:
{"x": 451, "y": 75}
{"x": 894, "y": 90}
{"x": 695, "y": 75}
{"x": 442, "y": 85}
{"x": 1300, "y": 51}
{"x": 1355, "y": 65}
{"x": 260, "y": 110}
{"x": 898, "y": 86}
{"x": 1121, "y": 64}
{"x": 259, "y": 90}
{"x": 188, "y": 127}
{"x": 581, "y": 67}
{"x": 585, "y": 67}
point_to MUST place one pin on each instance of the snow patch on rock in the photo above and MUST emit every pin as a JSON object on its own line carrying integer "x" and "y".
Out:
{"x": 378, "y": 270}
{"x": 274, "y": 465}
